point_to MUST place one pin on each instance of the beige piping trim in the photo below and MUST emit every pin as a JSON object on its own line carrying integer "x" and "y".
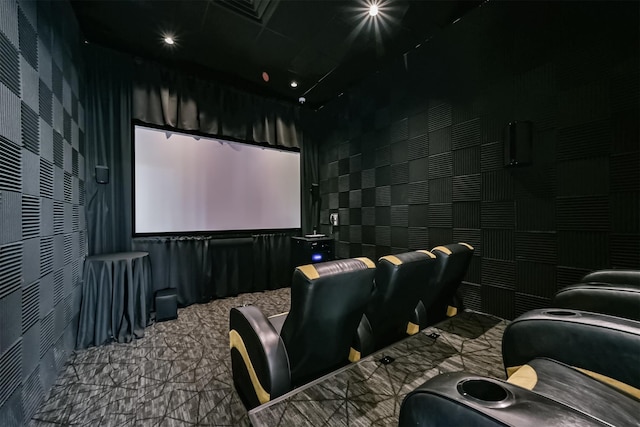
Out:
{"x": 466, "y": 244}
{"x": 612, "y": 382}
{"x": 412, "y": 328}
{"x": 309, "y": 270}
{"x": 367, "y": 261}
{"x": 525, "y": 377}
{"x": 451, "y": 311}
{"x": 354, "y": 355}
{"x": 235, "y": 341}
{"x": 392, "y": 259}
{"x": 442, "y": 249}
{"x": 512, "y": 370}
{"x": 427, "y": 252}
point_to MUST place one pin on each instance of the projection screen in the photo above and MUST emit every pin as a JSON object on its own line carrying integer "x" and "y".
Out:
{"x": 191, "y": 184}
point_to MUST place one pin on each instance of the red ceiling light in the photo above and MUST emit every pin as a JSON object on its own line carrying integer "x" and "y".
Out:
{"x": 265, "y": 76}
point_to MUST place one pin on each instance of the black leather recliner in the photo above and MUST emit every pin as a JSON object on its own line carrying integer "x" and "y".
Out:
{"x": 565, "y": 367}
{"x": 390, "y": 314}
{"x": 438, "y": 299}
{"x": 613, "y": 292}
{"x": 270, "y": 356}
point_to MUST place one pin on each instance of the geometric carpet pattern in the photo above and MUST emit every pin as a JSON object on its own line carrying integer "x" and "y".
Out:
{"x": 370, "y": 392}
{"x": 179, "y": 374}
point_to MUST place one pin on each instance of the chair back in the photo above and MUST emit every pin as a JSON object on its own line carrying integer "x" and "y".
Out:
{"x": 327, "y": 302}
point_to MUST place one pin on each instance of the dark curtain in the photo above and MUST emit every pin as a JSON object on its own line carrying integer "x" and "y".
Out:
{"x": 203, "y": 268}
{"x": 165, "y": 97}
{"x": 120, "y": 90}
{"x": 108, "y": 143}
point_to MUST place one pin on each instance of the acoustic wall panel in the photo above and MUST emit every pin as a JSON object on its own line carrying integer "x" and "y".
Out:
{"x": 536, "y": 227}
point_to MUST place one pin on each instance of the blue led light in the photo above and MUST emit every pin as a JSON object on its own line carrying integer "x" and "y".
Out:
{"x": 316, "y": 257}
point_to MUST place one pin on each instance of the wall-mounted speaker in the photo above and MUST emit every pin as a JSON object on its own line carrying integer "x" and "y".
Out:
{"x": 102, "y": 174}
{"x": 518, "y": 144}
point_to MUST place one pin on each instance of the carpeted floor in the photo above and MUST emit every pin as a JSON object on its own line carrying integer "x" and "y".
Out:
{"x": 179, "y": 374}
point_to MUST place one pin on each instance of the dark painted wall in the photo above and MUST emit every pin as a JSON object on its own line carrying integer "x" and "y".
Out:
{"x": 42, "y": 225}
{"x": 413, "y": 155}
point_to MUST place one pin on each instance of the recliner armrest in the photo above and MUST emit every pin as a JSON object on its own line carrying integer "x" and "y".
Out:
{"x": 260, "y": 364}
{"x": 622, "y": 300}
{"x": 616, "y": 277}
{"x": 599, "y": 343}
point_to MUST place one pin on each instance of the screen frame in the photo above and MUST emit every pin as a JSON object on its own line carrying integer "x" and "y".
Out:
{"x": 219, "y": 233}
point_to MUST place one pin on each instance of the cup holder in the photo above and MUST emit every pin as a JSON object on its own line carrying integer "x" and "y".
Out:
{"x": 485, "y": 392}
{"x": 563, "y": 313}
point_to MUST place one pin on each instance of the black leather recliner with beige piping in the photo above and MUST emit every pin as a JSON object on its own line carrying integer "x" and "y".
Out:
{"x": 438, "y": 300}
{"x": 390, "y": 314}
{"x": 270, "y": 356}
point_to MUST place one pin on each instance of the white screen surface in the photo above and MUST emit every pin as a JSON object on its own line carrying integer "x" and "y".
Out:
{"x": 184, "y": 183}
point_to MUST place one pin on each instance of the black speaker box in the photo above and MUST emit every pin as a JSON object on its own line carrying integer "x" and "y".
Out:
{"x": 102, "y": 174}
{"x": 517, "y": 144}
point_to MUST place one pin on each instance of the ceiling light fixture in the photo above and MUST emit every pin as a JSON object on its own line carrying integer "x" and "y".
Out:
{"x": 293, "y": 84}
{"x": 373, "y": 10}
{"x": 169, "y": 40}
{"x": 265, "y": 76}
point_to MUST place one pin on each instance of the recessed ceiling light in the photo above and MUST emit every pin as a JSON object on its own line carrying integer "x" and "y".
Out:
{"x": 293, "y": 84}
{"x": 373, "y": 10}
{"x": 169, "y": 40}
{"x": 265, "y": 76}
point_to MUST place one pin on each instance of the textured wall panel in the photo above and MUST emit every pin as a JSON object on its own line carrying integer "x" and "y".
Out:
{"x": 28, "y": 40}
{"x": 400, "y": 216}
{"x": 419, "y": 124}
{"x": 9, "y": 65}
{"x": 625, "y": 172}
{"x": 58, "y": 150}
{"x": 10, "y": 211}
{"x": 355, "y": 198}
{"x": 466, "y": 214}
{"x": 418, "y": 238}
{"x": 355, "y": 234}
{"x": 591, "y": 139}
{"x": 470, "y": 236}
{"x": 625, "y": 212}
{"x": 535, "y": 278}
{"x": 499, "y": 273}
{"x": 466, "y": 188}
{"x": 399, "y": 130}
{"x": 399, "y": 239}
{"x": 499, "y": 301}
{"x": 383, "y": 236}
{"x": 440, "y": 165}
{"x": 497, "y": 185}
{"x": 368, "y": 197}
{"x": 418, "y": 169}
{"x": 10, "y": 166}
{"x": 418, "y": 147}
{"x": 368, "y": 178}
{"x": 584, "y": 177}
{"x": 418, "y": 215}
{"x": 343, "y": 183}
{"x": 47, "y": 331}
{"x": 525, "y": 303}
{"x": 399, "y": 194}
{"x": 10, "y": 315}
{"x": 32, "y": 392}
{"x": 583, "y": 249}
{"x": 418, "y": 192}
{"x": 10, "y": 268}
{"x": 539, "y": 247}
{"x": 30, "y": 306}
{"x": 439, "y": 117}
{"x": 10, "y": 371}
{"x": 467, "y": 161}
{"x": 440, "y": 215}
{"x": 355, "y": 162}
{"x": 498, "y": 214}
{"x": 491, "y": 156}
{"x": 383, "y": 156}
{"x": 583, "y": 213}
{"x": 46, "y": 179}
{"x": 471, "y": 296}
{"x": 584, "y": 104}
{"x": 383, "y": 215}
{"x": 400, "y": 173}
{"x": 383, "y": 176}
{"x": 440, "y": 190}
{"x": 30, "y": 129}
{"x": 536, "y": 214}
{"x": 45, "y": 103}
{"x": 440, "y": 141}
{"x": 466, "y": 134}
{"x": 30, "y": 173}
{"x": 58, "y": 217}
{"x": 440, "y": 236}
{"x": 625, "y": 251}
{"x": 383, "y": 196}
{"x": 498, "y": 244}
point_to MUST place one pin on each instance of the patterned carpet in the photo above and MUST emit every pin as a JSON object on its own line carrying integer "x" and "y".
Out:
{"x": 179, "y": 374}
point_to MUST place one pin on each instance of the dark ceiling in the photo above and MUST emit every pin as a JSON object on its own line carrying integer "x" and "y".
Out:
{"x": 325, "y": 45}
